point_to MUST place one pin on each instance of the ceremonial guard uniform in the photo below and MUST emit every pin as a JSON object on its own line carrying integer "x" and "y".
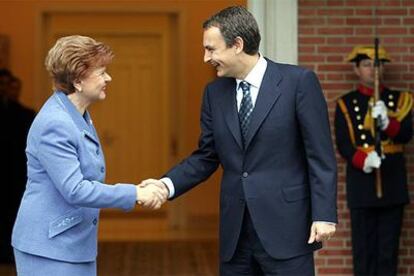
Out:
{"x": 375, "y": 222}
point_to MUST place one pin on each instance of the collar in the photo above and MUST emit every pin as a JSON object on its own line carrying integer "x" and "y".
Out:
{"x": 368, "y": 91}
{"x": 83, "y": 122}
{"x": 255, "y": 76}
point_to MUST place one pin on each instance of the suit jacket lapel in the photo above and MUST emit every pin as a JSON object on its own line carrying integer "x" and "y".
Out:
{"x": 268, "y": 94}
{"x": 229, "y": 107}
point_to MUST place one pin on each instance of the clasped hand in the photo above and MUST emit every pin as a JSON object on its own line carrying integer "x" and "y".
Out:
{"x": 152, "y": 193}
{"x": 379, "y": 111}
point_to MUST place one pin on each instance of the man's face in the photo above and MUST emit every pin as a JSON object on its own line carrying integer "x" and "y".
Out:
{"x": 15, "y": 87}
{"x": 365, "y": 72}
{"x": 217, "y": 53}
{"x": 4, "y": 83}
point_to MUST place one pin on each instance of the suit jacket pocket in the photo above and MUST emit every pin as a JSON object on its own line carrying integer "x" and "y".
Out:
{"x": 65, "y": 222}
{"x": 295, "y": 193}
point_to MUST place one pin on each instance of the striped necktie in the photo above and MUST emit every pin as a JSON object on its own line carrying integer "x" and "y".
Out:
{"x": 246, "y": 108}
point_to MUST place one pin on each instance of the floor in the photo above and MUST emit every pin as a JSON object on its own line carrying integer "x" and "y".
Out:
{"x": 178, "y": 257}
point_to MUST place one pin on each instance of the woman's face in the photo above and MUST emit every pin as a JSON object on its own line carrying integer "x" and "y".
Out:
{"x": 93, "y": 86}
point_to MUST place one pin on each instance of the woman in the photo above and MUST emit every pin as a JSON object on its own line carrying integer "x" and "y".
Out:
{"x": 55, "y": 232}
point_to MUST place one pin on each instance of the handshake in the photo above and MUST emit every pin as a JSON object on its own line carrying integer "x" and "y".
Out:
{"x": 152, "y": 193}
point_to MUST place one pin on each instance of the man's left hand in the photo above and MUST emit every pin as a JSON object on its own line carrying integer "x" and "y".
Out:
{"x": 321, "y": 231}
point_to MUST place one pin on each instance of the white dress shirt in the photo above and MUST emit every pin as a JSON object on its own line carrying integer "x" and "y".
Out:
{"x": 254, "y": 78}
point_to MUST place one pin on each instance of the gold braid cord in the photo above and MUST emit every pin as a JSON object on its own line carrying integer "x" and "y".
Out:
{"x": 405, "y": 104}
{"x": 344, "y": 110}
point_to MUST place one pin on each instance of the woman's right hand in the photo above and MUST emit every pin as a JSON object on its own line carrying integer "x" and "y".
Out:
{"x": 151, "y": 195}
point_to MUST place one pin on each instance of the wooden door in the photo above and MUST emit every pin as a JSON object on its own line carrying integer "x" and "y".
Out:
{"x": 136, "y": 120}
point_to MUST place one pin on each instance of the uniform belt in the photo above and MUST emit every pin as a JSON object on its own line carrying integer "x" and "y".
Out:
{"x": 387, "y": 149}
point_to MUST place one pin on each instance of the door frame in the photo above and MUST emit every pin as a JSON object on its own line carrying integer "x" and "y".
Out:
{"x": 177, "y": 216}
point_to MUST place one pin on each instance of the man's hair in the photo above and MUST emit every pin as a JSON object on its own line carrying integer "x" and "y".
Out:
{"x": 233, "y": 22}
{"x": 360, "y": 58}
{"x": 74, "y": 58}
{"x": 5, "y": 73}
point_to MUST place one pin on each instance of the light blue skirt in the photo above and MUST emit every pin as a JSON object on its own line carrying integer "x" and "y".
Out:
{"x": 32, "y": 265}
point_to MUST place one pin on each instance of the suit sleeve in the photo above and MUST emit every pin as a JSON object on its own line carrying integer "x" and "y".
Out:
{"x": 313, "y": 120}
{"x": 57, "y": 152}
{"x": 203, "y": 162}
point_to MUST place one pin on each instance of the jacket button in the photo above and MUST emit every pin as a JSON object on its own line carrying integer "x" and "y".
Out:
{"x": 245, "y": 174}
{"x": 102, "y": 169}
{"x": 97, "y": 152}
{"x": 95, "y": 221}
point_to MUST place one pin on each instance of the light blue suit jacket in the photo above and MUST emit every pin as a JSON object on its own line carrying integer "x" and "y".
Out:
{"x": 58, "y": 215}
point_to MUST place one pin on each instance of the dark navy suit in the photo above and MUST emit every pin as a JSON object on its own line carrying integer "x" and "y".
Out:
{"x": 285, "y": 174}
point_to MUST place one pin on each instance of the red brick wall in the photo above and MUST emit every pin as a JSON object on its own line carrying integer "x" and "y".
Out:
{"x": 328, "y": 30}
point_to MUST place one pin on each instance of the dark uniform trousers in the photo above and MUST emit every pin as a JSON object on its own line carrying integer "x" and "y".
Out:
{"x": 250, "y": 258}
{"x": 375, "y": 235}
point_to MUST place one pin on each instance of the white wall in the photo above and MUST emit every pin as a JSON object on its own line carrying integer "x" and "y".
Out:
{"x": 278, "y": 23}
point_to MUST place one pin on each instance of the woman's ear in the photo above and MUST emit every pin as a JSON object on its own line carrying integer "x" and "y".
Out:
{"x": 77, "y": 85}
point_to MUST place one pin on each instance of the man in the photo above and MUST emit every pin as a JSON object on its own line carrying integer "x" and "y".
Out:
{"x": 375, "y": 221}
{"x": 267, "y": 125}
{"x": 15, "y": 121}
{"x": 6, "y": 253}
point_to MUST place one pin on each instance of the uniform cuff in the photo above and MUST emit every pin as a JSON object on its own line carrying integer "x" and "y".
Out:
{"x": 393, "y": 128}
{"x": 359, "y": 159}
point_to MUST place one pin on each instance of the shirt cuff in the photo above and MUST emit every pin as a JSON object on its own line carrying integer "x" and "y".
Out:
{"x": 327, "y": 222}
{"x": 170, "y": 185}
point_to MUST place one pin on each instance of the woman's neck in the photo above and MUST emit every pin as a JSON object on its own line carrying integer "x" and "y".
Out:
{"x": 78, "y": 101}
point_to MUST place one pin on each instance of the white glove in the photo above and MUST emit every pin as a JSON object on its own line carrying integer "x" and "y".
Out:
{"x": 373, "y": 161}
{"x": 379, "y": 111}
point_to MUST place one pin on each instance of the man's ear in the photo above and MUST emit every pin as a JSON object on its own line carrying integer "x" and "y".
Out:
{"x": 238, "y": 44}
{"x": 356, "y": 70}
